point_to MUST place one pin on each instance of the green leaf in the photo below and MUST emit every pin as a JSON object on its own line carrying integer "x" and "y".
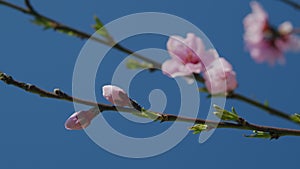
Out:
{"x": 68, "y": 32}
{"x": 203, "y": 89}
{"x": 1, "y": 75}
{"x": 198, "y": 128}
{"x": 226, "y": 115}
{"x": 101, "y": 30}
{"x": 134, "y": 64}
{"x": 42, "y": 22}
{"x": 49, "y": 25}
{"x": 295, "y": 117}
{"x": 233, "y": 110}
{"x": 259, "y": 134}
{"x": 98, "y": 24}
{"x": 266, "y": 103}
{"x": 147, "y": 114}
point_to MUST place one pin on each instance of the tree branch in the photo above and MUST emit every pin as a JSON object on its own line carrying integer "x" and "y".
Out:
{"x": 292, "y": 3}
{"x": 59, "y": 26}
{"x": 255, "y": 103}
{"x": 58, "y": 94}
{"x": 55, "y": 25}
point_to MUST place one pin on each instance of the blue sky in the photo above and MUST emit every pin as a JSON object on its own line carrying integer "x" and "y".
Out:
{"x": 33, "y": 133}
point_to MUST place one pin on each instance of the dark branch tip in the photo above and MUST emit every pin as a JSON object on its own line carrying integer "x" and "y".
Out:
{"x": 6, "y": 78}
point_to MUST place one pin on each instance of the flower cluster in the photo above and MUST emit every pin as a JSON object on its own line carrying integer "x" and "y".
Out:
{"x": 189, "y": 56}
{"x": 264, "y": 42}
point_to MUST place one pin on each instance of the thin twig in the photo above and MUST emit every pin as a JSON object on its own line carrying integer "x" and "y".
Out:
{"x": 292, "y": 3}
{"x": 266, "y": 108}
{"x": 59, "y": 26}
{"x": 58, "y": 94}
{"x": 255, "y": 103}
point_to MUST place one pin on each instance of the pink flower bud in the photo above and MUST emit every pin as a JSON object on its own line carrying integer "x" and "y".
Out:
{"x": 116, "y": 95}
{"x": 219, "y": 77}
{"x": 80, "y": 120}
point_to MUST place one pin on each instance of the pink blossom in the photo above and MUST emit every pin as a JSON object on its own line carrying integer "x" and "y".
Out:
{"x": 265, "y": 43}
{"x": 116, "y": 95}
{"x": 219, "y": 77}
{"x": 188, "y": 56}
{"x": 80, "y": 120}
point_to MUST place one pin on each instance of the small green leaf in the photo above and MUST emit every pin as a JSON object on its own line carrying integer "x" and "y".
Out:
{"x": 134, "y": 64}
{"x": 218, "y": 108}
{"x": 203, "y": 89}
{"x": 48, "y": 25}
{"x": 42, "y": 22}
{"x": 147, "y": 114}
{"x": 295, "y": 117}
{"x": 98, "y": 24}
{"x": 198, "y": 128}
{"x": 1, "y": 75}
{"x": 266, "y": 103}
{"x": 101, "y": 30}
{"x": 233, "y": 110}
{"x": 68, "y": 32}
{"x": 226, "y": 115}
{"x": 259, "y": 134}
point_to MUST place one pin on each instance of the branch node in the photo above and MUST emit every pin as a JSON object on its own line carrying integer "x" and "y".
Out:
{"x": 30, "y": 7}
{"x": 59, "y": 93}
{"x": 242, "y": 121}
{"x": 274, "y": 135}
{"x": 136, "y": 105}
{"x": 28, "y": 86}
{"x": 5, "y": 77}
{"x": 163, "y": 118}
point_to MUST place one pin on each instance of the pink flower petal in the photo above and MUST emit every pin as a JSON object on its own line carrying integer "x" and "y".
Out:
{"x": 174, "y": 68}
{"x": 219, "y": 77}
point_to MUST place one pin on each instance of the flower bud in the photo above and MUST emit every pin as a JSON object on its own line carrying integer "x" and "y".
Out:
{"x": 116, "y": 95}
{"x": 80, "y": 120}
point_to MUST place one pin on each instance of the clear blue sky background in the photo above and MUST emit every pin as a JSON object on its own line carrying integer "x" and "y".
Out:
{"x": 32, "y": 128}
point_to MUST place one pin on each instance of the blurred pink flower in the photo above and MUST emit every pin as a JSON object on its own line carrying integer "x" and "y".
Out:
{"x": 80, "y": 120}
{"x": 188, "y": 56}
{"x": 265, "y": 43}
{"x": 288, "y": 41}
{"x": 219, "y": 77}
{"x": 116, "y": 95}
